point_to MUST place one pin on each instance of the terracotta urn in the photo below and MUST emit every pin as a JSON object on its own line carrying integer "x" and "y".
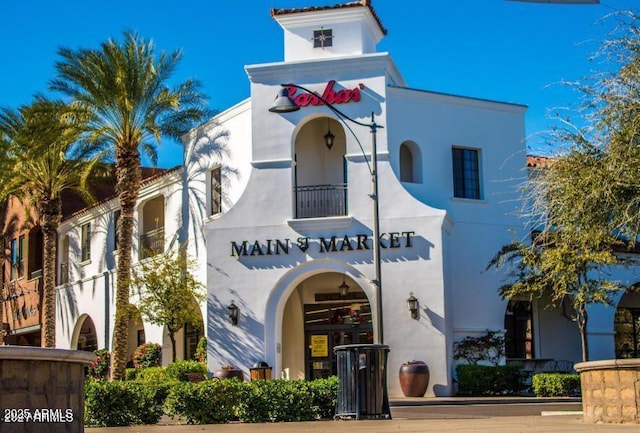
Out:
{"x": 228, "y": 373}
{"x": 414, "y": 378}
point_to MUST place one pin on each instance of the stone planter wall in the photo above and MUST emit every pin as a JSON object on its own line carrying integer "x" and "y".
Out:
{"x": 42, "y": 390}
{"x": 610, "y": 390}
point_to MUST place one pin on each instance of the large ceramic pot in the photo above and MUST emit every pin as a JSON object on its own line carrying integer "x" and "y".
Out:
{"x": 229, "y": 373}
{"x": 414, "y": 379}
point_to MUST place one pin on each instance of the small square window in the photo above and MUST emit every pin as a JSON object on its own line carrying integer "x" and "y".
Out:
{"x": 322, "y": 38}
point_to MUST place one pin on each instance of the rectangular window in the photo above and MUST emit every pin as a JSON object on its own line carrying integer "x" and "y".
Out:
{"x": 86, "y": 243}
{"x": 466, "y": 175}
{"x": 14, "y": 260}
{"x": 21, "y": 251}
{"x": 216, "y": 191}
{"x": 116, "y": 221}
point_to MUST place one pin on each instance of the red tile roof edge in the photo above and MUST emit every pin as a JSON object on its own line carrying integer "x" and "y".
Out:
{"x": 149, "y": 175}
{"x": 360, "y": 3}
{"x": 538, "y": 161}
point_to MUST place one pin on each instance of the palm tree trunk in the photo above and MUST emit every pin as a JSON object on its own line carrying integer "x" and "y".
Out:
{"x": 128, "y": 175}
{"x": 51, "y": 217}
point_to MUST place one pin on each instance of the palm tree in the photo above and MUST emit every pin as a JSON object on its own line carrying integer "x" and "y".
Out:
{"x": 42, "y": 158}
{"x": 125, "y": 87}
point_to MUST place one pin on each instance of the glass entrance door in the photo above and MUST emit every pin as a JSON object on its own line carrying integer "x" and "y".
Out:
{"x": 331, "y": 325}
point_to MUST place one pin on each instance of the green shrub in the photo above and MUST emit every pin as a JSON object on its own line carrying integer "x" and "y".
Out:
{"x": 277, "y": 400}
{"x": 100, "y": 368}
{"x": 180, "y": 370}
{"x": 556, "y": 384}
{"x": 122, "y": 403}
{"x": 324, "y": 393}
{"x": 208, "y": 402}
{"x": 488, "y": 347}
{"x": 152, "y": 374}
{"x": 131, "y": 373}
{"x": 479, "y": 380}
{"x": 147, "y": 355}
{"x": 201, "y": 350}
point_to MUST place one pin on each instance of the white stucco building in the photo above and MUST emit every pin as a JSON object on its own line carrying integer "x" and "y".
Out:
{"x": 280, "y": 222}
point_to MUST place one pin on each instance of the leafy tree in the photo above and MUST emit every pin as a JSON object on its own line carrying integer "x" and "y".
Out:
{"x": 168, "y": 291}
{"x": 584, "y": 207}
{"x": 42, "y": 159}
{"x": 125, "y": 88}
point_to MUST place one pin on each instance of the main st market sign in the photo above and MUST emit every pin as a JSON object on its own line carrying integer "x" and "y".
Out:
{"x": 358, "y": 242}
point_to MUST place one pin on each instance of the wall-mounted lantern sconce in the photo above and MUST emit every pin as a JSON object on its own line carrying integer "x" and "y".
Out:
{"x": 414, "y": 305}
{"x": 344, "y": 288}
{"x": 234, "y": 312}
{"x": 329, "y": 137}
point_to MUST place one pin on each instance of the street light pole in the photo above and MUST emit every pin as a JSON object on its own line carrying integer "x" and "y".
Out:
{"x": 284, "y": 104}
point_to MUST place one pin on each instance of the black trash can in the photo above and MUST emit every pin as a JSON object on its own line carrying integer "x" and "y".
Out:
{"x": 362, "y": 377}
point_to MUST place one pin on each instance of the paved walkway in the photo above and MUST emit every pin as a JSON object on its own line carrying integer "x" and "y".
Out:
{"x": 553, "y": 422}
{"x": 519, "y": 424}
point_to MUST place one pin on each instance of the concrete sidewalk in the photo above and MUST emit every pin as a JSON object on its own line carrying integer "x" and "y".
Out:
{"x": 519, "y": 424}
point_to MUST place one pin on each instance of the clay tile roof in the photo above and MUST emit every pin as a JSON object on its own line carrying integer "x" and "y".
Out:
{"x": 538, "y": 161}
{"x": 104, "y": 190}
{"x": 360, "y": 3}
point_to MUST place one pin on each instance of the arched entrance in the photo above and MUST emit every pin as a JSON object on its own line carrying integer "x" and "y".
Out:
{"x": 136, "y": 335}
{"x": 323, "y": 311}
{"x": 627, "y": 326}
{"x": 186, "y": 339}
{"x": 85, "y": 336}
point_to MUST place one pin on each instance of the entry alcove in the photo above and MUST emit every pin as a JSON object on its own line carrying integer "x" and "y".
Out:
{"x": 42, "y": 390}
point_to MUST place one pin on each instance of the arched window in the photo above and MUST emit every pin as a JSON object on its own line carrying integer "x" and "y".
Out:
{"x": 627, "y": 326}
{"x": 410, "y": 163}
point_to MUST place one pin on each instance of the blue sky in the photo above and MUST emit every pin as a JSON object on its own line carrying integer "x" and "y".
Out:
{"x": 492, "y": 49}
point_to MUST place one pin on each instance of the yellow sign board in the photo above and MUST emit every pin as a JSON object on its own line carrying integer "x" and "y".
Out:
{"x": 319, "y": 346}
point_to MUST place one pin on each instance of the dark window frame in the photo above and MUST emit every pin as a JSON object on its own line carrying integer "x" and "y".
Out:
{"x": 466, "y": 173}
{"x": 85, "y": 242}
{"x": 215, "y": 193}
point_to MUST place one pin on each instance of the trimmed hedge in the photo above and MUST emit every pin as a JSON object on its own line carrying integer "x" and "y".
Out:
{"x": 482, "y": 380}
{"x": 556, "y": 384}
{"x": 180, "y": 370}
{"x": 152, "y": 393}
{"x": 122, "y": 403}
{"x": 277, "y": 400}
{"x": 221, "y": 401}
{"x": 149, "y": 374}
{"x": 208, "y": 402}
{"x": 324, "y": 393}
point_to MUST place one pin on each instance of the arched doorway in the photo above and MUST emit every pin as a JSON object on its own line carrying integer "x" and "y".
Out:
{"x": 627, "y": 326}
{"x": 136, "y": 336}
{"x": 186, "y": 339}
{"x": 325, "y": 310}
{"x": 518, "y": 325}
{"x": 85, "y": 336}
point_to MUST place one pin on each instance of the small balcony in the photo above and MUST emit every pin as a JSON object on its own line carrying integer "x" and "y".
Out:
{"x": 317, "y": 201}
{"x": 151, "y": 243}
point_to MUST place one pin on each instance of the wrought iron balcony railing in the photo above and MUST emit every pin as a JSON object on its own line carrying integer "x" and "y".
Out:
{"x": 317, "y": 201}
{"x": 151, "y": 243}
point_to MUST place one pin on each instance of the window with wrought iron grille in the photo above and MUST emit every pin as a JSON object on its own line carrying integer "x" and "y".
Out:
{"x": 322, "y": 38}
{"x": 466, "y": 173}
